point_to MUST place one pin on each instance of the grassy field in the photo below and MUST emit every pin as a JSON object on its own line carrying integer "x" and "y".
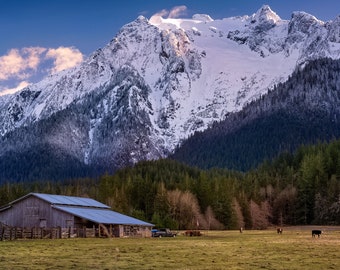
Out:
{"x": 294, "y": 249}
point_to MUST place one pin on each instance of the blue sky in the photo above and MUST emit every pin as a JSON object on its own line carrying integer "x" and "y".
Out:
{"x": 44, "y": 36}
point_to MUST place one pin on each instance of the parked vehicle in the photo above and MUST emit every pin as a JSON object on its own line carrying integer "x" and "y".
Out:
{"x": 163, "y": 232}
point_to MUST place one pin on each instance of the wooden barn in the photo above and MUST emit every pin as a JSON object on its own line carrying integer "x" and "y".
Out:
{"x": 72, "y": 215}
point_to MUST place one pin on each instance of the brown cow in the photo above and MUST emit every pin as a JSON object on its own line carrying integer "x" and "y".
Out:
{"x": 279, "y": 230}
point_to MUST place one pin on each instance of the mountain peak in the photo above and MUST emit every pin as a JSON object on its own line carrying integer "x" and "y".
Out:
{"x": 265, "y": 14}
{"x": 305, "y": 17}
{"x": 141, "y": 18}
{"x": 302, "y": 21}
{"x": 202, "y": 17}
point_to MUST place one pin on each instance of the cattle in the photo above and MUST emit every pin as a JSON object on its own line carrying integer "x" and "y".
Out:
{"x": 279, "y": 230}
{"x": 193, "y": 233}
{"x": 316, "y": 232}
{"x": 241, "y": 230}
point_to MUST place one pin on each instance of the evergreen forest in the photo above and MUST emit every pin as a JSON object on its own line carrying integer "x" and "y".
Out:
{"x": 297, "y": 188}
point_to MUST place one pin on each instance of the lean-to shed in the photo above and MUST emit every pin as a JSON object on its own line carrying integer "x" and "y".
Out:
{"x": 68, "y": 212}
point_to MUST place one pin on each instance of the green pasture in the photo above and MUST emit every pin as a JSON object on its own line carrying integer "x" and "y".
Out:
{"x": 294, "y": 249}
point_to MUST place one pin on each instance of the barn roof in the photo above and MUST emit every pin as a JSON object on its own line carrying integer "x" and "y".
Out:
{"x": 86, "y": 208}
{"x": 63, "y": 200}
{"x": 69, "y": 200}
{"x": 104, "y": 216}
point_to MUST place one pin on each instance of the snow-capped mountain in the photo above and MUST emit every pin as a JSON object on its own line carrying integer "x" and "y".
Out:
{"x": 160, "y": 80}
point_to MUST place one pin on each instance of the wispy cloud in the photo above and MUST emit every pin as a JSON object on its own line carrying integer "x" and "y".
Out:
{"x": 175, "y": 12}
{"x": 19, "y": 63}
{"x": 18, "y": 66}
{"x": 64, "y": 58}
{"x": 32, "y": 56}
{"x": 161, "y": 13}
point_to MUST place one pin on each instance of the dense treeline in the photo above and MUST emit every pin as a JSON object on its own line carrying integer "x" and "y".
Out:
{"x": 299, "y": 188}
{"x": 263, "y": 138}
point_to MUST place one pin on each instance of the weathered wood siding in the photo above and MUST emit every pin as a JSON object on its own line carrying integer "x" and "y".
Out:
{"x": 34, "y": 212}
{"x": 62, "y": 219}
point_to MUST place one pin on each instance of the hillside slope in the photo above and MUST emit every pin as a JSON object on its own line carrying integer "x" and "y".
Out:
{"x": 303, "y": 110}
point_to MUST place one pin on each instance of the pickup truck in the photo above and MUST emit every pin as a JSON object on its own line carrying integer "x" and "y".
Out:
{"x": 164, "y": 232}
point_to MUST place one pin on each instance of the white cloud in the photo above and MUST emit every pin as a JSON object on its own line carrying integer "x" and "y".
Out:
{"x": 177, "y": 11}
{"x": 161, "y": 13}
{"x": 21, "y": 63}
{"x": 64, "y": 58}
{"x": 11, "y": 64}
{"x": 19, "y": 66}
{"x": 33, "y": 56}
{"x": 20, "y": 86}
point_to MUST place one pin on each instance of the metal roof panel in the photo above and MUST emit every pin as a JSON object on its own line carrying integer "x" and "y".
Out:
{"x": 70, "y": 200}
{"x": 104, "y": 216}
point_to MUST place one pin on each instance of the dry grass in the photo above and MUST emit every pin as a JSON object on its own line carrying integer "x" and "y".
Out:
{"x": 294, "y": 249}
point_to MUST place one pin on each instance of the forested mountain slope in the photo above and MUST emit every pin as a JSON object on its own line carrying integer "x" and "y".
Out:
{"x": 303, "y": 110}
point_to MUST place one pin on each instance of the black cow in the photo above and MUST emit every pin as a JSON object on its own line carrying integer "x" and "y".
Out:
{"x": 316, "y": 232}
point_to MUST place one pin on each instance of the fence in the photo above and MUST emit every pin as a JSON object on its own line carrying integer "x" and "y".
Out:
{"x": 12, "y": 233}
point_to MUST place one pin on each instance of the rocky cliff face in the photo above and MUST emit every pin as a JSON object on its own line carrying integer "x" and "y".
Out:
{"x": 157, "y": 82}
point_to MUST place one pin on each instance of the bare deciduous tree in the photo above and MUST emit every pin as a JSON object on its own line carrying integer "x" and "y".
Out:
{"x": 184, "y": 208}
{"x": 258, "y": 216}
{"x": 238, "y": 213}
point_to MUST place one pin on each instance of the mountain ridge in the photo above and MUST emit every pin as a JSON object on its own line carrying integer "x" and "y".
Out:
{"x": 158, "y": 81}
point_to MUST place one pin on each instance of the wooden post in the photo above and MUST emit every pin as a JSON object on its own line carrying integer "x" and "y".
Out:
{"x": 69, "y": 232}
{"x": 2, "y": 233}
